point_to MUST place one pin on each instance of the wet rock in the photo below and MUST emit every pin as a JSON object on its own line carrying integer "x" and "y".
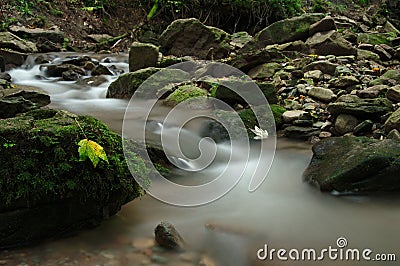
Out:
{"x": 290, "y": 116}
{"x": 355, "y": 165}
{"x": 283, "y": 31}
{"x": 168, "y": 237}
{"x": 93, "y": 81}
{"x": 191, "y": 37}
{"x": 13, "y": 42}
{"x": 142, "y": 55}
{"x": 75, "y": 195}
{"x": 345, "y": 123}
{"x": 326, "y": 24}
{"x": 330, "y": 43}
{"x": 57, "y": 70}
{"x": 70, "y": 75}
{"x": 325, "y": 66}
{"x": 53, "y": 35}
{"x": 393, "y": 94}
{"x": 101, "y": 70}
{"x": 353, "y": 105}
{"x": 13, "y": 58}
{"x": 322, "y": 94}
{"x": 393, "y": 122}
{"x": 300, "y": 132}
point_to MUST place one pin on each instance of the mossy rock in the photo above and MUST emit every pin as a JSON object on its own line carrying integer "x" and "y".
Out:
{"x": 45, "y": 190}
{"x": 355, "y": 165}
{"x": 375, "y": 38}
{"x": 184, "y": 93}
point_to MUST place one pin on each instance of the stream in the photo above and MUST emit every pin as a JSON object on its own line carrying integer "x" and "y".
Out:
{"x": 284, "y": 212}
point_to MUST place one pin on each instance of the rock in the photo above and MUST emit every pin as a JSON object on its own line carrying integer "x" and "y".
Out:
{"x": 13, "y": 57}
{"x": 168, "y": 237}
{"x": 46, "y": 46}
{"x": 297, "y": 46}
{"x": 191, "y": 37}
{"x": 373, "y": 38}
{"x": 127, "y": 84}
{"x": 4, "y": 84}
{"x": 99, "y": 38}
{"x": 367, "y": 55}
{"x": 345, "y": 123}
{"x": 353, "y": 105}
{"x": 383, "y": 54}
{"x": 52, "y": 35}
{"x": 389, "y": 27}
{"x": 283, "y": 31}
{"x": 57, "y": 70}
{"x": 70, "y": 75}
{"x": 67, "y": 195}
{"x": 325, "y": 66}
{"x": 142, "y": 55}
{"x": 393, "y": 122}
{"x": 290, "y": 116}
{"x": 240, "y": 39}
{"x": 188, "y": 94}
{"x": 247, "y": 61}
{"x": 367, "y": 94}
{"x": 325, "y": 134}
{"x": 269, "y": 91}
{"x": 13, "y": 42}
{"x": 326, "y": 24}
{"x": 101, "y": 70}
{"x": 322, "y": 94}
{"x": 314, "y": 74}
{"x": 330, "y": 43}
{"x": 355, "y": 165}
{"x": 344, "y": 81}
{"x": 393, "y": 94}
{"x": 11, "y": 106}
{"x": 300, "y": 132}
{"x": 363, "y": 127}
{"x": 394, "y": 134}
{"x": 264, "y": 71}
{"x": 93, "y": 81}
{"x": 5, "y": 76}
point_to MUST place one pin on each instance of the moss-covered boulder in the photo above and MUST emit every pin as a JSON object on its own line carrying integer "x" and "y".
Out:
{"x": 355, "y": 165}
{"x": 142, "y": 55}
{"x": 191, "y": 37}
{"x": 46, "y": 191}
{"x": 187, "y": 93}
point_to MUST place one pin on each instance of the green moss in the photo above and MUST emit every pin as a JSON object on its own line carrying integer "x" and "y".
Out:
{"x": 44, "y": 164}
{"x": 277, "y": 111}
{"x": 183, "y": 93}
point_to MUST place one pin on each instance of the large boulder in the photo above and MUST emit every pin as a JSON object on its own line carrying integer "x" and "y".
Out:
{"x": 53, "y": 35}
{"x": 284, "y": 31}
{"x": 13, "y": 58}
{"x": 353, "y": 105}
{"x": 46, "y": 191}
{"x": 330, "y": 43}
{"x": 191, "y": 37}
{"x": 13, "y": 42}
{"x": 355, "y": 165}
{"x": 142, "y": 55}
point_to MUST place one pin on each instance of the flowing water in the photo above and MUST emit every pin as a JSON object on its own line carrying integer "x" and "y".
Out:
{"x": 283, "y": 213}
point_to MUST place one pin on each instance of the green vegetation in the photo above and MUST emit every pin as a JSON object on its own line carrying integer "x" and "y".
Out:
{"x": 185, "y": 92}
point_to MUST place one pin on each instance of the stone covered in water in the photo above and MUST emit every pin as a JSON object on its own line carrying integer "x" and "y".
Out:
{"x": 355, "y": 164}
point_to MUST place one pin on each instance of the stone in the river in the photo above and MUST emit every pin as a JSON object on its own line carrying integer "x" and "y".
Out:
{"x": 168, "y": 237}
{"x": 70, "y": 75}
{"x": 5, "y": 76}
{"x": 353, "y": 105}
{"x": 93, "y": 81}
{"x": 13, "y": 58}
{"x": 51, "y": 193}
{"x": 345, "y": 123}
{"x": 101, "y": 70}
{"x": 322, "y": 94}
{"x": 355, "y": 165}
{"x": 57, "y": 70}
{"x": 142, "y": 55}
{"x": 13, "y": 42}
{"x": 393, "y": 122}
{"x": 191, "y": 37}
{"x": 393, "y": 94}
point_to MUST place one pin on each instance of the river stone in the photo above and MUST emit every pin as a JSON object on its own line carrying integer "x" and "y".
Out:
{"x": 345, "y": 123}
{"x": 367, "y": 55}
{"x": 314, "y": 74}
{"x": 13, "y": 58}
{"x": 330, "y": 43}
{"x": 70, "y": 75}
{"x": 344, "y": 81}
{"x": 355, "y": 164}
{"x": 393, "y": 94}
{"x": 187, "y": 94}
{"x": 168, "y": 237}
{"x": 264, "y": 71}
{"x": 191, "y": 37}
{"x": 300, "y": 132}
{"x": 393, "y": 122}
{"x": 13, "y": 42}
{"x": 353, "y": 105}
{"x": 290, "y": 116}
{"x": 11, "y": 106}
{"x": 142, "y": 55}
{"x": 325, "y": 66}
{"x": 283, "y": 31}
{"x": 93, "y": 81}
{"x": 326, "y": 24}
{"x": 51, "y": 193}
{"x": 53, "y": 35}
{"x": 102, "y": 70}
{"x": 58, "y": 70}
{"x": 322, "y": 94}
